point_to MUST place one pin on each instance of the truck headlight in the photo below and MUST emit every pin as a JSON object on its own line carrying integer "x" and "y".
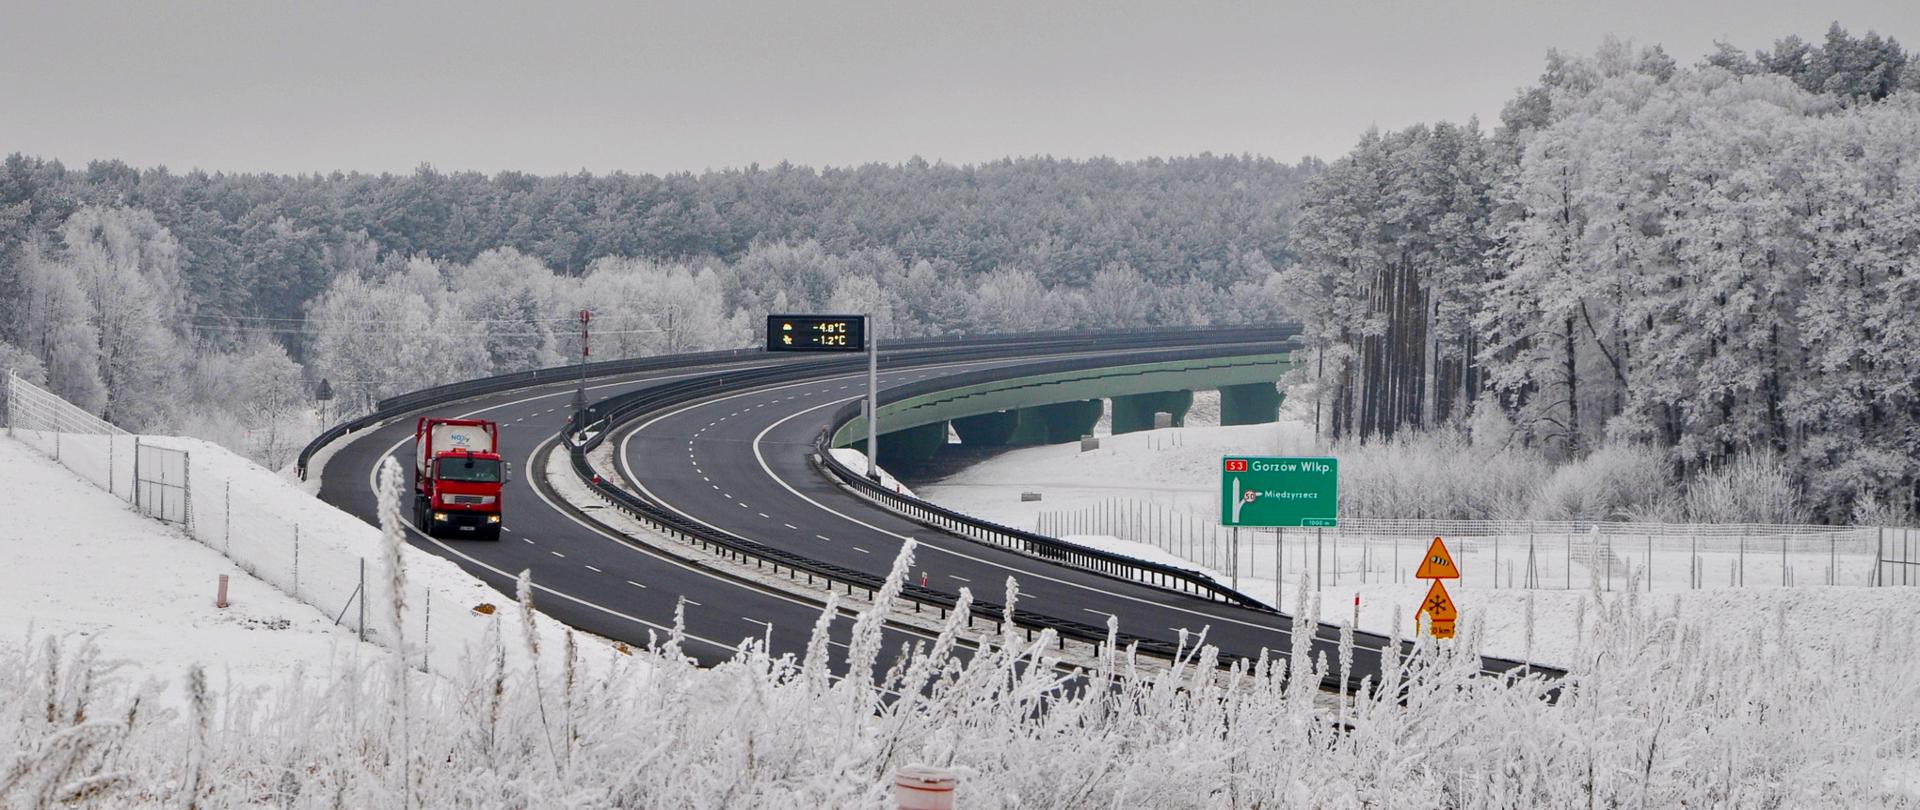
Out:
{"x": 440, "y": 517}
{"x": 493, "y": 518}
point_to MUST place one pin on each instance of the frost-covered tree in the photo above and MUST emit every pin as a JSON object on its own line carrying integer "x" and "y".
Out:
{"x": 56, "y": 325}
{"x": 129, "y": 267}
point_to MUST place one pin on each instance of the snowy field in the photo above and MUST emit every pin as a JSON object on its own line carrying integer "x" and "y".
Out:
{"x": 1176, "y": 471}
{"x": 85, "y": 568}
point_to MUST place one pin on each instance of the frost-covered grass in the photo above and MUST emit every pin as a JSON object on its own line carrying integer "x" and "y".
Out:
{"x": 1659, "y": 713}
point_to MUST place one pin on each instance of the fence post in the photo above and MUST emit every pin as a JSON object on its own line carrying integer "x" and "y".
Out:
{"x": 136, "y": 470}
{"x": 1879, "y": 553}
{"x": 363, "y": 599}
{"x": 426, "y": 631}
{"x": 227, "y": 542}
{"x": 1695, "y": 576}
{"x": 296, "y": 561}
{"x": 1319, "y": 557}
{"x": 1649, "y": 562}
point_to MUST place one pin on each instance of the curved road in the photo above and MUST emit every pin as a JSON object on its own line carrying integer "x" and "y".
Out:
{"x": 738, "y": 462}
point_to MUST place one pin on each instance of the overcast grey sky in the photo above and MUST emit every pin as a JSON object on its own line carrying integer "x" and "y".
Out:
{"x": 646, "y": 87}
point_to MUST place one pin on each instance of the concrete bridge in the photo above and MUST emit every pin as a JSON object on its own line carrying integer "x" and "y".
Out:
{"x": 1062, "y": 406}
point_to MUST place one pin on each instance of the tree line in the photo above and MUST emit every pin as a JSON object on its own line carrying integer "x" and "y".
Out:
{"x": 209, "y": 303}
{"x": 1718, "y": 261}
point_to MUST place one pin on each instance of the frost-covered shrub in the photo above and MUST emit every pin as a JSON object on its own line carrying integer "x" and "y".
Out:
{"x": 1754, "y": 488}
{"x": 1436, "y": 475}
{"x": 1660, "y": 713}
{"x": 1617, "y": 482}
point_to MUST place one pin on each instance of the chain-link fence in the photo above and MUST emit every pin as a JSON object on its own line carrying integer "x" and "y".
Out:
{"x": 1516, "y": 554}
{"x": 244, "y": 517}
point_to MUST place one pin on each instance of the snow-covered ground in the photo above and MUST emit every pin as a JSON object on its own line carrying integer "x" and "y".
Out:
{"x": 83, "y": 566}
{"x": 1177, "y": 470}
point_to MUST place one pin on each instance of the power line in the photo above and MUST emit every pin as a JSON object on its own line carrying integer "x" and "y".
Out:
{"x": 265, "y": 330}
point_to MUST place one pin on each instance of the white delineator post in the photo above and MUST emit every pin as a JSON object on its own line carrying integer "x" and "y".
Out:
{"x": 873, "y": 397}
{"x": 923, "y": 787}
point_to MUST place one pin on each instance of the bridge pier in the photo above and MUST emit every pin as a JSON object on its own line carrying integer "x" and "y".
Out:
{"x": 1059, "y": 422}
{"x": 1134, "y": 412}
{"x": 988, "y": 429}
{"x": 1250, "y": 404}
{"x": 909, "y": 445}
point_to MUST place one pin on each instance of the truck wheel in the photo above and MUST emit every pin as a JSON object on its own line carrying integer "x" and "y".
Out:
{"x": 491, "y": 533}
{"x": 420, "y": 516}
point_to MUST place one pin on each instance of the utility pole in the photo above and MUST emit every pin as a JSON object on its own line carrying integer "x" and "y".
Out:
{"x": 580, "y": 393}
{"x": 873, "y": 398}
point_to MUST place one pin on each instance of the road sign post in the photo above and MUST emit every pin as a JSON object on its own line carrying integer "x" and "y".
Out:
{"x": 873, "y": 398}
{"x": 836, "y": 333}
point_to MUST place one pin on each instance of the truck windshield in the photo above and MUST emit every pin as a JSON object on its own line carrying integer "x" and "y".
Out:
{"x": 475, "y": 470}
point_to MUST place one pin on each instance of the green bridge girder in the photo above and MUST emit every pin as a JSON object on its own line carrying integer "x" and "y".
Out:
{"x": 978, "y": 408}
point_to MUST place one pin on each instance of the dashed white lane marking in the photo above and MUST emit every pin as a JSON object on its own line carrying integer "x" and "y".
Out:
{"x": 790, "y": 526}
{"x": 595, "y": 570}
{"x": 716, "y": 487}
{"x": 558, "y": 554}
{"x": 691, "y": 602}
{"x": 768, "y": 625}
{"x": 743, "y": 504}
{"x": 861, "y": 550}
{"x": 636, "y": 584}
{"x": 528, "y": 539}
{"x": 1097, "y": 612}
{"x": 706, "y": 479}
{"x": 958, "y": 577}
{"x": 505, "y": 529}
{"x": 764, "y": 515}
{"x": 824, "y": 537}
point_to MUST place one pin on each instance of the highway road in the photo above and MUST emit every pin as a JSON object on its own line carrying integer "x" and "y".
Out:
{"x": 738, "y": 462}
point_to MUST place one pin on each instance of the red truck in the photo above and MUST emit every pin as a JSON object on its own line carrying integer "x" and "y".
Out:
{"x": 458, "y": 477}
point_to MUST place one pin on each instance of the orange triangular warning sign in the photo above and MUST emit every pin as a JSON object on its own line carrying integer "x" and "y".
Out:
{"x": 1438, "y": 564}
{"x": 1438, "y": 605}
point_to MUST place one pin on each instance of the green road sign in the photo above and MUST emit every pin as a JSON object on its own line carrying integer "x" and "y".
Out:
{"x": 1264, "y": 491}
